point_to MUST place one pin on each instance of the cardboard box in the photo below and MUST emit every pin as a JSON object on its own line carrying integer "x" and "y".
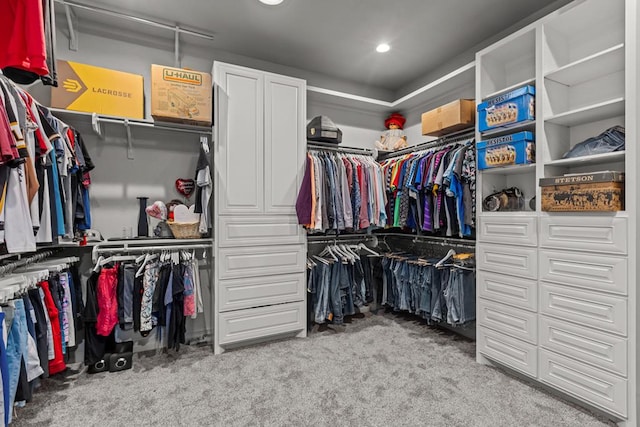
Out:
{"x": 99, "y": 90}
{"x": 456, "y": 115}
{"x": 598, "y": 191}
{"x": 506, "y": 110}
{"x": 516, "y": 149}
{"x": 179, "y": 95}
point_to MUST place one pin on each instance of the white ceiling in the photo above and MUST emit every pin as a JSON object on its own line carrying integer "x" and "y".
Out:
{"x": 336, "y": 38}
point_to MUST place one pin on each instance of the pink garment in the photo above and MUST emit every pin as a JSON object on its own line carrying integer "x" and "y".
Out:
{"x": 189, "y": 296}
{"x": 107, "y": 301}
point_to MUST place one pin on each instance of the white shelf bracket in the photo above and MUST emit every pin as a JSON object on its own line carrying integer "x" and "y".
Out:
{"x": 95, "y": 125}
{"x": 129, "y": 140}
{"x": 72, "y": 22}
{"x": 176, "y": 48}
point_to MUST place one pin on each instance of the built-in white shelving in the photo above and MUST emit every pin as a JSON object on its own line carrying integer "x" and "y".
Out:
{"x": 529, "y": 125}
{"x": 511, "y": 170}
{"x": 596, "y": 159}
{"x": 591, "y": 113}
{"x": 599, "y": 64}
{"x": 566, "y": 279}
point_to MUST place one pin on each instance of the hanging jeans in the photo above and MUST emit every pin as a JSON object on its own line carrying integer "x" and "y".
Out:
{"x": 4, "y": 370}
{"x": 16, "y": 349}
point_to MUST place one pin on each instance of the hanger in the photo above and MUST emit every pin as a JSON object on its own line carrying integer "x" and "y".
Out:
{"x": 116, "y": 258}
{"x": 147, "y": 257}
{"x": 327, "y": 251}
{"x": 96, "y": 267}
{"x": 365, "y": 248}
{"x": 446, "y": 257}
{"x": 322, "y": 260}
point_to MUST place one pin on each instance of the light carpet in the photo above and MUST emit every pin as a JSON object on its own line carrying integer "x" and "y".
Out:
{"x": 383, "y": 370}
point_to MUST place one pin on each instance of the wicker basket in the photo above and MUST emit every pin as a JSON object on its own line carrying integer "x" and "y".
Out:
{"x": 186, "y": 230}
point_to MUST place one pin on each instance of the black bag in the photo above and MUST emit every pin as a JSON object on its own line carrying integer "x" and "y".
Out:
{"x": 120, "y": 361}
{"x": 101, "y": 365}
{"x": 322, "y": 129}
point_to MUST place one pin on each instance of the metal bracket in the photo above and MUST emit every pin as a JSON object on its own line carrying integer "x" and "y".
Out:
{"x": 176, "y": 48}
{"x": 95, "y": 124}
{"x": 129, "y": 140}
{"x": 72, "y": 22}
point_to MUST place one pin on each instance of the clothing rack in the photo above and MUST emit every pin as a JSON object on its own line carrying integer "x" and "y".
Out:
{"x": 325, "y": 146}
{"x": 442, "y": 241}
{"x": 452, "y": 138}
{"x": 8, "y": 268}
{"x": 142, "y": 246}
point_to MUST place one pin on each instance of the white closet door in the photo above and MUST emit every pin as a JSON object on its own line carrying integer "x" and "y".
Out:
{"x": 240, "y": 140}
{"x": 284, "y": 143}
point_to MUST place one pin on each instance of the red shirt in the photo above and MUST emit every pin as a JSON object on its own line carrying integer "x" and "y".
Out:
{"x": 22, "y": 34}
{"x": 8, "y": 150}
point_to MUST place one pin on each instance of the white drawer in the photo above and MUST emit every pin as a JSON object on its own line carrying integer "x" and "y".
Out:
{"x": 597, "y": 272}
{"x": 509, "y": 351}
{"x": 263, "y": 230}
{"x": 508, "y": 229}
{"x": 602, "y": 350}
{"x": 584, "y": 233}
{"x": 261, "y": 261}
{"x": 249, "y": 292}
{"x": 512, "y": 260}
{"x": 522, "y": 293}
{"x": 255, "y": 323}
{"x": 508, "y": 320}
{"x": 585, "y": 382}
{"x": 605, "y": 312}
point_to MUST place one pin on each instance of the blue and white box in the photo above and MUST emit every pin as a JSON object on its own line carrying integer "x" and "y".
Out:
{"x": 508, "y": 109}
{"x": 516, "y": 149}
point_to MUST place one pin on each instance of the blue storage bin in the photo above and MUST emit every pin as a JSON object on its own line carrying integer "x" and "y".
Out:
{"x": 516, "y": 149}
{"x": 508, "y": 109}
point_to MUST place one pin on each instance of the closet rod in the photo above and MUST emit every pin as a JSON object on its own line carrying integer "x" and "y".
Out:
{"x": 137, "y": 19}
{"x": 340, "y": 238}
{"x": 111, "y": 246}
{"x": 324, "y": 146}
{"x": 98, "y": 250}
{"x": 442, "y": 241}
{"x": 463, "y": 135}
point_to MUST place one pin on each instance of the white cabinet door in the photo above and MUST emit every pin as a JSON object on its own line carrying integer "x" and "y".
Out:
{"x": 515, "y": 291}
{"x": 511, "y": 260}
{"x": 508, "y": 320}
{"x": 250, "y": 292}
{"x": 284, "y": 142}
{"x": 267, "y": 230}
{"x": 240, "y": 140}
{"x": 593, "y": 309}
{"x": 260, "y": 323}
{"x": 585, "y": 382}
{"x": 509, "y": 351}
{"x": 597, "y": 272}
{"x": 508, "y": 229}
{"x": 236, "y": 263}
{"x": 601, "y": 234}
{"x": 587, "y": 345}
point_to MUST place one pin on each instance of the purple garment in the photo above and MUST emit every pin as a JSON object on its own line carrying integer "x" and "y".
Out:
{"x": 428, "y": 221}
{"x": 303, "y": 202}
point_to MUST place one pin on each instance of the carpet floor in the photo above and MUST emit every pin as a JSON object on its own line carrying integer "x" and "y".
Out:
{"x": 382, "y": 370}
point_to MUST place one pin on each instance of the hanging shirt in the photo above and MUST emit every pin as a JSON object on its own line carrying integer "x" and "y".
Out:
{"x": 204, "y": 188}
{"x": 23, "y": 52}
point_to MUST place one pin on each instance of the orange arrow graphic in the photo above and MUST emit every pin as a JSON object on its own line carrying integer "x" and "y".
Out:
{"x": 72, "y": 85}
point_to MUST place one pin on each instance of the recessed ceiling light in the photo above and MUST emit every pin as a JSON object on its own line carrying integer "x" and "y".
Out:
{"x": 271, "y": 2}
{"x": 383, "y": 47}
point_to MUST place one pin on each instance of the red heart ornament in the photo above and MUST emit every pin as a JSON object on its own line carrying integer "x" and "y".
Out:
{"x": 185, "y": 186}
